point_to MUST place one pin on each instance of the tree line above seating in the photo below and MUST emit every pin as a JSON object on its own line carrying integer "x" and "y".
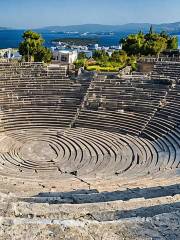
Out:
{"x": 149, "y": 44}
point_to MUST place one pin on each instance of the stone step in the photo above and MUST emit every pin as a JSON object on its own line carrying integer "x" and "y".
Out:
{"x": 105, "y": 211}
{"x": 162, "y": 226}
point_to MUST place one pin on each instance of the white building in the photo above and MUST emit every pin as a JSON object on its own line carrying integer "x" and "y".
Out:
{"x": 93, "y": 47}
{"x": 17, "y": 56}
{"x": 110, "y": 52}
{"x": 88, "y": 54}
{"x": 118, "y": 47}
{"x": 10, "y": 53}
{"x": 65, "y": 56}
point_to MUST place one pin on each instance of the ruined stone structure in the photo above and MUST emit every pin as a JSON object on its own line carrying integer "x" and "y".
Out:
{"x": 96, "y": 157}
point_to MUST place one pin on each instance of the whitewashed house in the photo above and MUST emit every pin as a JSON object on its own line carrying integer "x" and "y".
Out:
{"x": 65, "y": 56}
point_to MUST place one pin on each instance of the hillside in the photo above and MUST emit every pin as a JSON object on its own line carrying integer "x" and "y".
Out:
{"x": 131, "y": 27}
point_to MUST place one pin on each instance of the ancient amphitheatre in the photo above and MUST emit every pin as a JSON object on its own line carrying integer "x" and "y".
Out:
{"x": 92, "y": 157}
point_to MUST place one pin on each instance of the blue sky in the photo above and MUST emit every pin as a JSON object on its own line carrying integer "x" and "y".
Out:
{"x": 39, "y": 13}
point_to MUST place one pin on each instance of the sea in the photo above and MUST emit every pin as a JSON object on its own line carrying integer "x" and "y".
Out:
{"x": 12, "y": 38}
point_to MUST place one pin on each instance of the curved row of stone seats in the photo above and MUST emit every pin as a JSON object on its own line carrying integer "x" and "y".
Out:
{"x": 49, "y": 114}
{"x": 21, "y": 69}
{"x": 31, "y": 69}
{"x": 147, "y": 158}
{"x": 34, "y": 83}
{"x": 112, "y": 121}
{"x": 167, "y": 117}
{"x": 172, "y": 160}
{"x": 169, "y": 143}
{"x": 158, "y": 127}
{"x": 37, "y": 123}
{"x": 39, "y": 100}
{"x": 120, "y": 163}
{"x": 35, "y": 80}
{"x": 150, "y": 97}
{"x": 43, "y": 79}
{"x": 170, "y": 69}
{"x": 47, "y": 117}
{"x": 79, "y": 152}
{"x": 143, "y": 159}
{"x": 29, "y": 75}
{"x": 128, "y": 81}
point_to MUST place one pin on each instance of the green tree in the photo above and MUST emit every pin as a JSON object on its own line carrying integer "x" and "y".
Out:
{"x": 81, "y": 55}
{"x": 156, "y": 46}
{"x": 119, "y": 57}
{"x": 32, "y": 49}
{"x": 43, "y": 55}
{"x": 133, "y": 44}
{"x": 148, "y": 44}
{"x": 172, "y": 42}
{"x": 164, "y": 34}
{"x": 132, "y": 61}
{"x": 101, "y": 55}
{"x": 80, "y": 63}
{"x": 159, "y": 46}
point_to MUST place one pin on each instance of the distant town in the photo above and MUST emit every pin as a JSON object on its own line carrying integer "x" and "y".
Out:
{"x": 65, "y": 51}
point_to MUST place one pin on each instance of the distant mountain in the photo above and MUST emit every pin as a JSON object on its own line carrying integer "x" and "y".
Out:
{"x": 129, "y": 28}
{"x": 94, "y": 28}
{"x": 173, "y": 28}
{"x": 168, "y": 27}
